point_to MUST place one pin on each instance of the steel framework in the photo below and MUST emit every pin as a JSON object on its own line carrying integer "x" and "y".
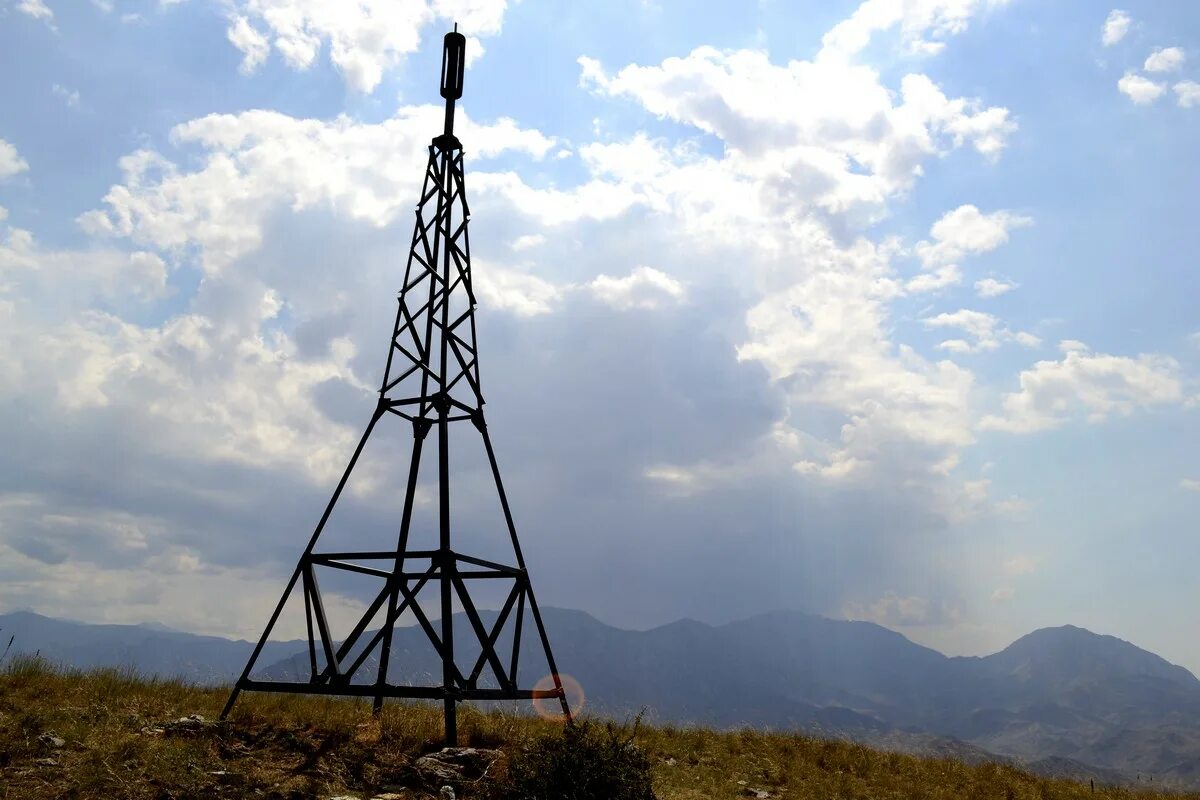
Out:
{"x": 432, "y": 381}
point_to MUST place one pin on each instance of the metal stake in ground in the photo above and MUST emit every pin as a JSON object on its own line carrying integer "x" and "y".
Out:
{"x": 431, "y": 380}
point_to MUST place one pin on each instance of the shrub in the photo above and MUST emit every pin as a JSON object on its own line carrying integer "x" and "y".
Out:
{"x": 583, "y": 761}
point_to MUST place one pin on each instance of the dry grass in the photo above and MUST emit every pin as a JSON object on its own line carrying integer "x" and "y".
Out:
{"x": 279, "y": 746}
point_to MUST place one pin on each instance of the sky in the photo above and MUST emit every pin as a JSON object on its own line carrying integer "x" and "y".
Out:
{"x": 880, "y": 310}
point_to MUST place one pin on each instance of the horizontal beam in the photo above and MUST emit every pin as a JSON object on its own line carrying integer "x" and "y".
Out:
{"x": 409, "y": 576}
{"x": 392, "y": 555}
{"x": 479, "y": 562}
{"x": 387, "y": 690}
{"x": 372, "y": 555}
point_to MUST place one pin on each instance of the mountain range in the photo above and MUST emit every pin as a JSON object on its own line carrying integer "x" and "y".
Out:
{"x": 1063, "y": 701}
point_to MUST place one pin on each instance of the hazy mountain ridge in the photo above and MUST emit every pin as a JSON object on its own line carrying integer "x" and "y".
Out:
{"x": 150, "y": 648}
{"x": 1062, "y": 700}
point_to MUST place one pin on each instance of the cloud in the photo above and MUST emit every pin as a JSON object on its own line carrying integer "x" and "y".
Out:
{"x": 1165, "y": 59}
{"x": 69, "y": 96}
{"x": 1092, "y": 385}
{"x": 824, "y": 340}
{"x": 1140, "y": 89}
{"x": 978, "y": 324}
{"x": 984, "y": 328}
{"x": 939, "y": 278}
{"x": 824, "y": 134}
{"x": 816, "y": 149}
{"x": 990, "y": 287}
{"x": 967, "y": 231}
{"x": 282, "y": 239}
{"x": 923, "y": 26}
{"x": 895, "y": 610}
{"x": 527, "y": 241}
{"x": 364, "y": 39}
{"x": 644, "y": 287}
{"x": 30, "y": 274}
{"x": 129, "y": 570}
{"x": 1189, "y": 484}
{"x": 1187, "y": 93}
{"x": 1116, "y": 25}
{"x": 11, "y": 162}
{"x": 510, "y": 290}
{"x": 36, "y": 9}
{"x": 258, "y": 162}
{"x": 1014, "y": 507}
{"x": 255, "y": 47}
{"x": 1020, "y": 565}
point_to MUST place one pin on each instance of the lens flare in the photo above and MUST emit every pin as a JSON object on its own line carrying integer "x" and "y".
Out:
{"x": 549, "y": 707}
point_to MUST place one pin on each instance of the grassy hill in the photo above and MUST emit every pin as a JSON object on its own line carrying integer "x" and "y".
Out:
{"x": 105, "y": 734}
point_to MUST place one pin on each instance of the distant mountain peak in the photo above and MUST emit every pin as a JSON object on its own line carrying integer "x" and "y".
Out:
{"x": 1068, "y": 653}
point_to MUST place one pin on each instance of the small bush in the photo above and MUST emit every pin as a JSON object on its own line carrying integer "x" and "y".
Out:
{"x": 583, "y": 761}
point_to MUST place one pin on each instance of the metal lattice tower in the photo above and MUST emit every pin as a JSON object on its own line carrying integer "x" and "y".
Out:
{"x": 432, "y": 381}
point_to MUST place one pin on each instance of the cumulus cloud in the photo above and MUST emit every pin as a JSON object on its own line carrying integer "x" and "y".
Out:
{"x": 255, "y": 47}
{"x": 1089, "y": 385}
{"x": 260, "y": 161}
{"x": 930, "y": 281}
{"x": 1140, "y": 89}
{"x": 959, "y": 233}
{"x": 1116, "y": 25}
{"x": 816, "y": 147}
{"x": 1189, "y": 484}
{"x": 923, "y": 26}
{"x": 991, "y": 287}
{"x": 510, "y": 290}
{"x": 31, "y": 274}
{"x": 824, "y": 339}
{"x": 644, "y": 287}
{"x": 11, "y": 162}
{"x": 967, "y": 231}
{"x": 823, "y": 134}
{"x": 984, "y": 329}
{"x": 291, "y": 230}
{"x": 1165, "y": 59}
{"x": 1187, "y": 94}
{"x": 364, "y": 39}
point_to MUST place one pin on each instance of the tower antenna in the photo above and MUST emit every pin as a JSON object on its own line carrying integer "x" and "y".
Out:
{"x": 431, "y": 381}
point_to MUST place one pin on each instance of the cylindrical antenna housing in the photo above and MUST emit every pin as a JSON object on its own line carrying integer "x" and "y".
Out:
{"x": 453, "y": 63}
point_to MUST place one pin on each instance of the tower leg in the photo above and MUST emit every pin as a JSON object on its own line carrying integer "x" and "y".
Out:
{"x": 512, "y": 532}
{"x": 449, "y": 567}
{"x": 233, "y": 696}
{"x": 237, "y": 688}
